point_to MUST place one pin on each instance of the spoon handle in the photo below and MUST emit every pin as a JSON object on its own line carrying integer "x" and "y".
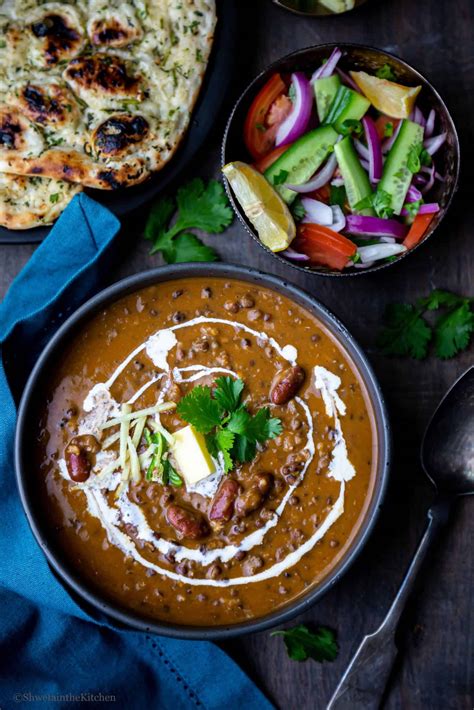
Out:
{"x": 363, "y": 684}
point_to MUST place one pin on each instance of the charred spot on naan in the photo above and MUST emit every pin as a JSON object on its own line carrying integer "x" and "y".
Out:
{"x": 115, "y": 136}
{"x": 111, "y": 32}
{"x": 17, "y": 133}
{"x": 47, "y": 104}
{"x": 60, "y": 37}
{"x": 10, "y": 132}
{"x": 102, "y": 74}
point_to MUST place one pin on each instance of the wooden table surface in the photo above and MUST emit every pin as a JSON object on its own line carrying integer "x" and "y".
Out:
{"x": 435, "y": 663}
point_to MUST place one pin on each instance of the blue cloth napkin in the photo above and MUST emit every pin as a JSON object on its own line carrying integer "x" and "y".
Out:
{"x": 49, "y": 646}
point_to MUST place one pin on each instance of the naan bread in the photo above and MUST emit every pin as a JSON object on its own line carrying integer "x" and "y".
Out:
{"x": 99, "y": 93}
{"x": 27, "y": 202}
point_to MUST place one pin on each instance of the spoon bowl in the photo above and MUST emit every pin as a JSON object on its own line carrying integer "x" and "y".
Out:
{"x": 447, "y": 451}
{"x": 447, "y": 457}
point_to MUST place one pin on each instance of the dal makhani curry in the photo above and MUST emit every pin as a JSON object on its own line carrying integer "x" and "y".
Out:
{"x": 206, "y": 453}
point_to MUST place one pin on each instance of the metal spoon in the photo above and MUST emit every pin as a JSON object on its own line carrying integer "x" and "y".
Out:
{"x": 447, "y": 457}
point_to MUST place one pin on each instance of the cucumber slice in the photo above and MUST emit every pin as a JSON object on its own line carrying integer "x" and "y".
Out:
{"x": 325, "y": 91}
{"x": 301, "y": 160}
{"x": 338, "y": 6}
{"x": 347, "y": 105}
{"x": 397, "y": 176}
{"x": 356, "y": 180}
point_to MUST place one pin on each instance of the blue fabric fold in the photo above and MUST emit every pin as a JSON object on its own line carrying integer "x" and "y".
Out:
{"x": 49, "y": 645}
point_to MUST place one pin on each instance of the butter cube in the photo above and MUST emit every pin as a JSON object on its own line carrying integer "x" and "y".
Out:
{"x": 191, "y": 455}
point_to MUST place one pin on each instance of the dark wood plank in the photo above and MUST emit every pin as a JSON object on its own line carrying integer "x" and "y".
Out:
{"x": 435, "y": 668}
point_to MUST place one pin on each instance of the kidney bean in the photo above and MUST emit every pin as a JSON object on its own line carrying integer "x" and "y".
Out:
{"x": 86, "y": 442}
{"x": 78, "y": 455}
{"x": 264, "y": 482}
{"x": 222, "y": 507}
{"x": 252, "y": 564}
{"x": 78, "y": 466}
{"x": 186, "y": 523}
{"x": 253, "y": 497}
{"x": 285, "y": 384}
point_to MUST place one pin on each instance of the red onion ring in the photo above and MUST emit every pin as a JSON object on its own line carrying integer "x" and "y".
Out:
{"x": 297, "y": 122}
{"x": 430, "y": 123}
{"x": 433, "y": 144}
{"x": 368, "y": 227}
{"x": 295, "y": 255}
{"x": 374, "y": 148}
{"x": 348, "y": 80}
{"x": 328, "y": 68}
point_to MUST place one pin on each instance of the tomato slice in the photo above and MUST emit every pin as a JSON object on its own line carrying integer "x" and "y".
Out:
{"x": 324, "y": 246}
{"x": 417, "y": 230}
{"x": 258, "y": 139}
{"x": 381, "y": 123}
{"x": 267, "y": 160}
{"x": 322, "y": 194}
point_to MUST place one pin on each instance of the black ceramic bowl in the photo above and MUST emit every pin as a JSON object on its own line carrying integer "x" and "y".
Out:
{"x": 356, "y": 57}
{"x": 27, "y": 421}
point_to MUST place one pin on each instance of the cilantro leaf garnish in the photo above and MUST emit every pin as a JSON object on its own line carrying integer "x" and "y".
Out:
{"x": 385, "y": 72}
{"x": 297, "y": 210}
{"x": 262, "y": 426}
{"x": 225, "y": 442}
{"x": 351, "y": 125}
{"x": 203, "y": 207}
{"x": 160, "y": 215}
{"x": 388, "y": 130}
{"x": 413, "y": 208}
{"x": 338, "y": 195}
{"x": 280, "y": 177}
{"x": 228, "y": 392}
{"x": 244, "y": 449}
{"x": 453, "y": 331}
{"x": 301, "y": 643}
{"x": 230, "y": 429}
{"x": 198, "y": 206}
{"x": 382, "y": 204}
{"x": 238, "y": 421}
{"x": 380, "y": 201}
{"x": 439, "y": 298}
{"x": 407, "y": 332}
{"x": 413, "y": 160}
{"x": 425, "y": 158}
{"x": 187, "y": 247}
{"x": 200, "y": 409}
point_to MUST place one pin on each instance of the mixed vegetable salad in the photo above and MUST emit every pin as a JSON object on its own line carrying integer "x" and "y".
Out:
{"x": 343, "y": 166}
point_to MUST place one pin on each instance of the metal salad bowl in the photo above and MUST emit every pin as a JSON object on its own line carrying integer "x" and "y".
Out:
{"x": 92, "y": 599}
{"x": 355, "y": 57}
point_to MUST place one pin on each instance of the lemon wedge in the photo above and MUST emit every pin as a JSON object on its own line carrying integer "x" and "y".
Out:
{"x": 395, "y": 100}
{"x": 262, "y": 205}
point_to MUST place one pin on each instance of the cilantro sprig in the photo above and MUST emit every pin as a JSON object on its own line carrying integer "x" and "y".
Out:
{"x": 197, "y": 206}
{"x": 385, "y": 72}
{"x": 229, "y": 428}
{"x": 380, "y": 201}
{"x": 412, "y": 208}
{"x": 408, "y": 332}
{"x": 301, "y": 643}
